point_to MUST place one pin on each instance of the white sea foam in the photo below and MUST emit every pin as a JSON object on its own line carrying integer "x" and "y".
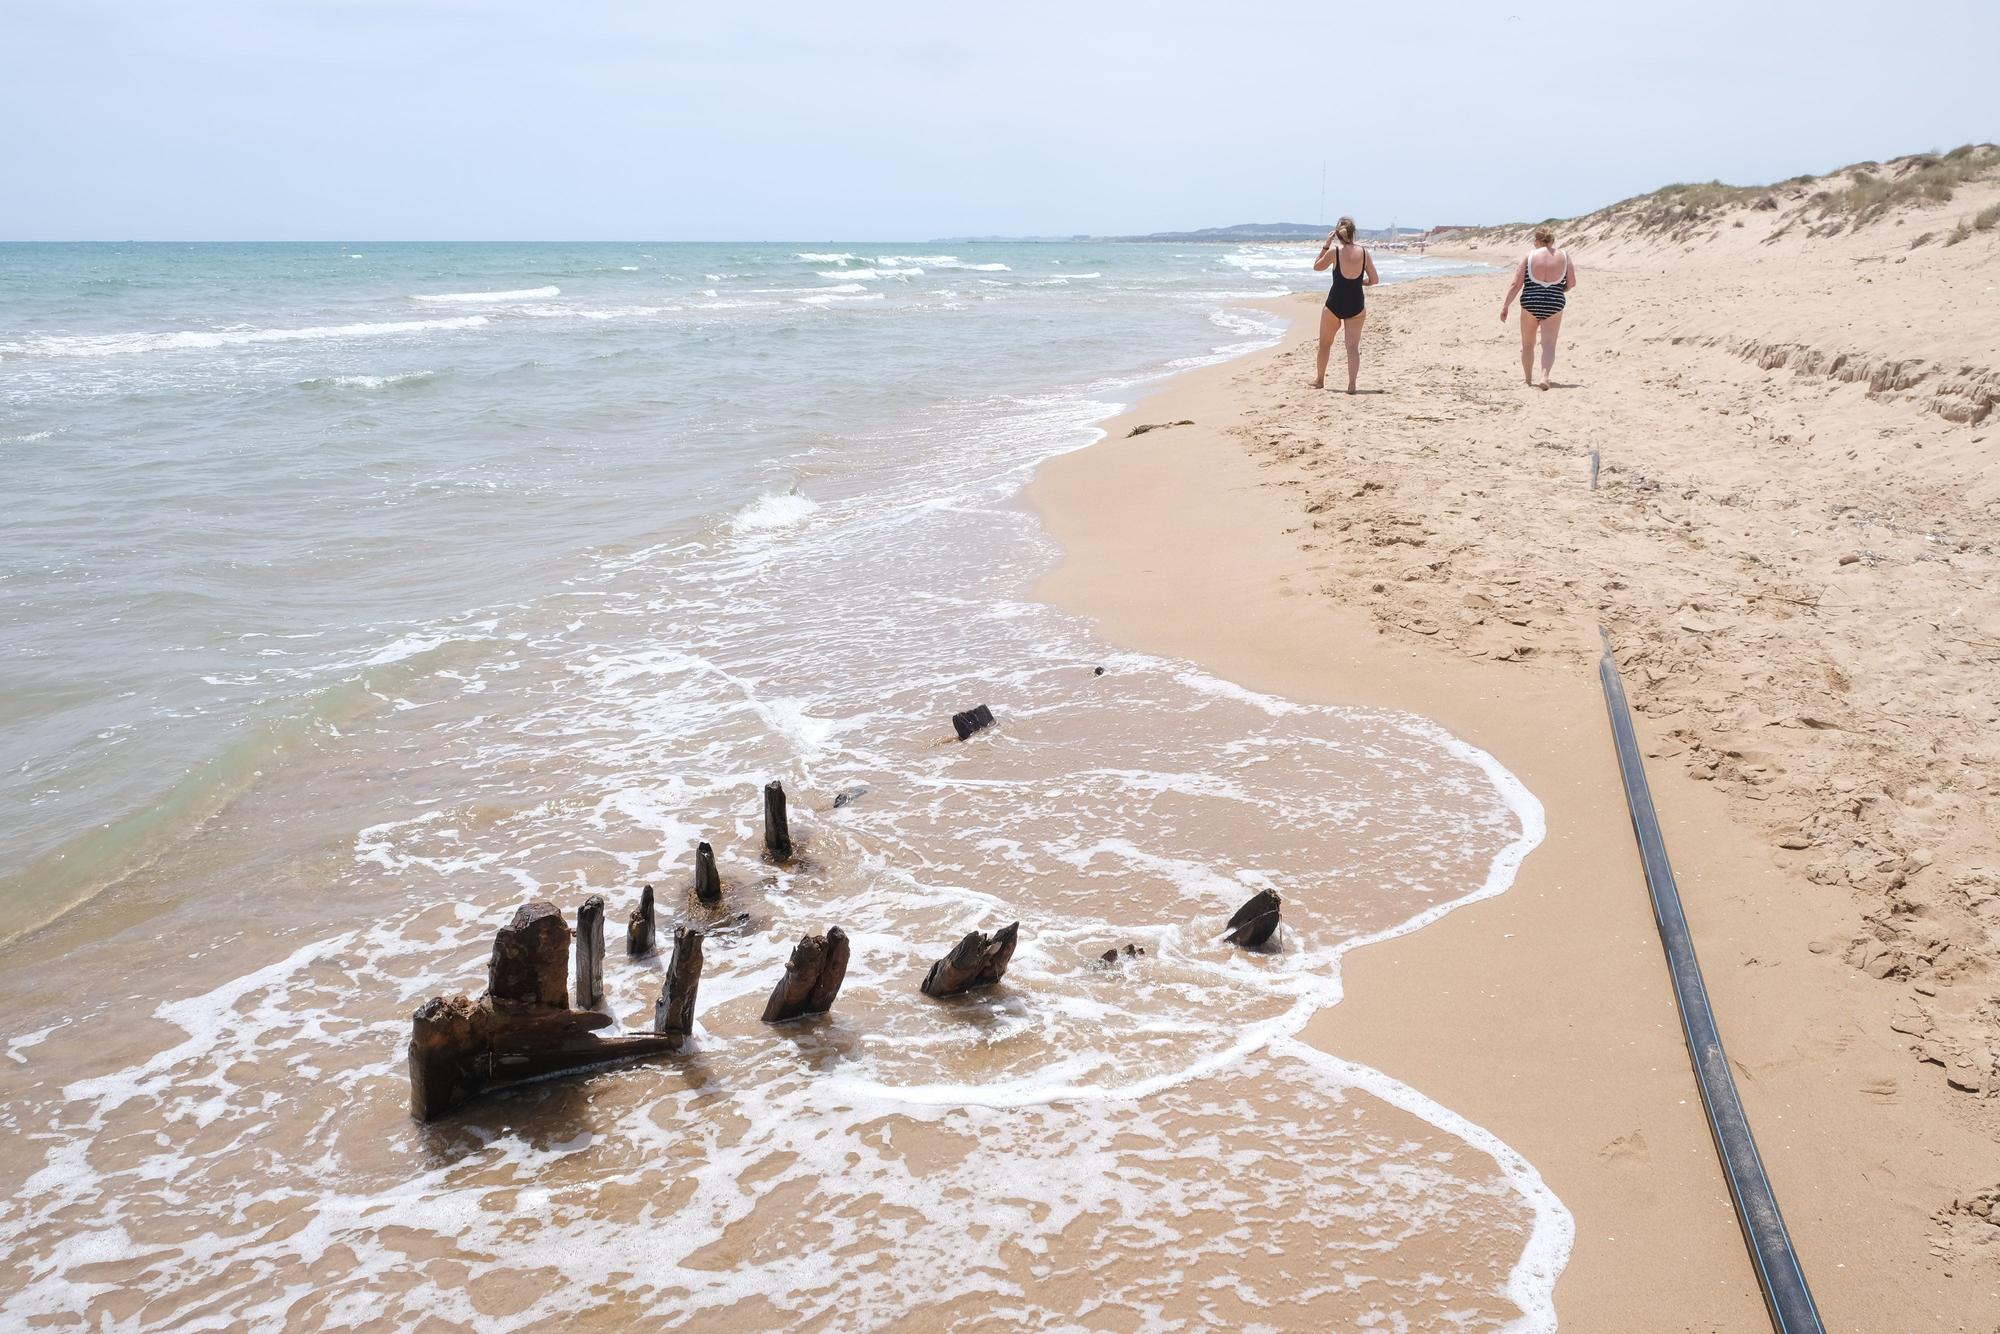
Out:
{"x": 487, "y": 298}
{"x": 367, "y": 381}
{"x": 818, "y": 257}
{"x": 772, "y": 512}
{"x": 1272, "y": 258}
{"x": 32, "y": 437}
{"x": 828, "y": 298}
{"x": 127, "y": 344}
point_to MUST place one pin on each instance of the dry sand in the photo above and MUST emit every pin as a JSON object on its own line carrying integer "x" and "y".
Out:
{"x": 1792, "y": 547}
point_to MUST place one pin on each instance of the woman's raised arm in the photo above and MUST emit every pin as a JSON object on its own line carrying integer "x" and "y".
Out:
{"x": 1325, "y": 252}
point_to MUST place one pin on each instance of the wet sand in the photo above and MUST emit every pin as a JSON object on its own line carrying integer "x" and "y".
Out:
{"x": 1435, "y": 547}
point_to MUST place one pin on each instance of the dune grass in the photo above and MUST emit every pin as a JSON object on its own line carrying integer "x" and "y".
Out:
{"x": 1849, "y": 198}
{"x": 1926, "y": 178}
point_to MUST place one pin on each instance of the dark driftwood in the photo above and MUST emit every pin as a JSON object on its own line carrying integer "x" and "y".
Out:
{"x": 777, "y": 833}
{"x": 530, "y": 958}
{"x": 639, "y": 926}
{"x": 1131, "y": 952}
{"x": 811, "y": 979}
{"x": 590, "y": 953}
{"x": 1256, "y": 921}
{"x": 972, "y": 720}
{"x": 979, "y": 960}
{"x": 673, "y": 1012}
{"x": 707, "y": 880}
{"x": 521, "y": 1029}
{"x": 461, "y": 1048}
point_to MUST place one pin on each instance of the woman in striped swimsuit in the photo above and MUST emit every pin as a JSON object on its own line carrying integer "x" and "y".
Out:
{"x": 1543, "y": 281}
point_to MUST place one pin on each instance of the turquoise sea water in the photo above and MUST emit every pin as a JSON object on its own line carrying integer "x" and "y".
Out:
{"x": 239, "y": 474}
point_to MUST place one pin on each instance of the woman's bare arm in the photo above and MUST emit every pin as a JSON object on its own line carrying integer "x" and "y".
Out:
{"x": 1368, "y": 275}
{"x": 1520, "y": 276}
{"x": 1570, "y": 285}
{"x": 1325, "y": 253}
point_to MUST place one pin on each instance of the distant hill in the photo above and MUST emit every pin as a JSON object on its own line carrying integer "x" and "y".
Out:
{"x": 1261, "y": 231}
{"x": 1241, "y": 232}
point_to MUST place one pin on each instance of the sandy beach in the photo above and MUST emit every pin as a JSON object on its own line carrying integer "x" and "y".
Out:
{"x": 1790, "y": 392}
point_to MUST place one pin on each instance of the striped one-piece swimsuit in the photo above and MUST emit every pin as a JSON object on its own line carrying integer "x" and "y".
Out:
{"x": 1542, "y": 299}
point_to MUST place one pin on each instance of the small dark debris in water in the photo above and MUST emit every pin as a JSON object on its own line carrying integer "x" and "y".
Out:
{"x": 639, "y": 926}
{"x": 811, "y": 979}
{"x": 972, "y": 720}
{"x": 850, "y": 796}
{"x": 777, "y": 829}
{"x": 590, "y": 953}
{"x": 1154, "y": 426}
{"x": 1130, "y": 952}
{"x": 1256, "y": 921}
{"x": 1097, "y": 671}
{"x": 673, "y": 1012}
{"x": 707, "y": 880}
{"x": 979, "y": 960}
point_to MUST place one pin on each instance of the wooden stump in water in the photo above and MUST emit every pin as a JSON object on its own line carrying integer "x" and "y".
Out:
{"x": 522, "y": 1029}
{"x": 777, "y": 833}
{"x": 972, "y": 720}
{"x": 530, "y": 960}
{"x": 707, "y": 880}
{"x": 811, "y": 979}
{"x": 673, "y": 1012}
{"x": 979, "y": 960}
{"x": 639, "y": 926}
{"x": 1256, "y": 921}
{"x": 590, "y": 953}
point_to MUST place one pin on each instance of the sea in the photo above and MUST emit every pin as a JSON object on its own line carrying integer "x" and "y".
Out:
{"x": 356, "y": 594}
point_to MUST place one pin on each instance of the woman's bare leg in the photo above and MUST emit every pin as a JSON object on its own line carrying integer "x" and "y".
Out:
{"x": 1528, "y": 323}
{"x": 1354, "y": 323}
{"x": 1550, "y": 327}
{"x": 1329, "y": 324}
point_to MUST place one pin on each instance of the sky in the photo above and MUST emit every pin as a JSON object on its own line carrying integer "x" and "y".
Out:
{"x": 364, "y": 120}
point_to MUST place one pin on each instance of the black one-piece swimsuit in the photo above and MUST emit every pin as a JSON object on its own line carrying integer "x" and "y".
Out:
{"x": 1347, "y": 299}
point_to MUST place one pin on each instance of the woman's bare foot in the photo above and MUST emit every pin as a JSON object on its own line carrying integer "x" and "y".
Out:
{"x": 1319, "y": 383}
{"x": 1350, "y": 389}
{"x": 1543, "y": 385}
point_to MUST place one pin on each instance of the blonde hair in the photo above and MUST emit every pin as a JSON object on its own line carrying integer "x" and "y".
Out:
{"x": 1545, "y": 236}
{"x": 1344, "y": 229}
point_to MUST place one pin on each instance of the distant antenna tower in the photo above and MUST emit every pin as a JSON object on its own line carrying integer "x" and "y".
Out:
{"x": 1322, "y": 189}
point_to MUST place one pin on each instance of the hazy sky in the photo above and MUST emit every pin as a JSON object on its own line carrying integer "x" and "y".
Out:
{"x": 422, "y": 119}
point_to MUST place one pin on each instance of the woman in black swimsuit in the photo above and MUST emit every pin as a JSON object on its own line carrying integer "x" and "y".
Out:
{"x": 1346, "y": 304}
{"x": 1543, "y": 281}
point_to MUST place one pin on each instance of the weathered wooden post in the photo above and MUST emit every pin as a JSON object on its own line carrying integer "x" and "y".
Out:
{"x": 707, "y": 880}
{"x": 529, "y": 954}
{"x": 811, "y": 979}
{"x": 673, "y": 1012}
{"x": 777, "y": 833}
{"x": 639, "y": 926}
{"x": 1253, "y": 924}
{"x": 972, "y": 720}
{"x": 521, "y": 1030}
{"x": 979, "y": 960}
{"x": 590, "y": 953}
